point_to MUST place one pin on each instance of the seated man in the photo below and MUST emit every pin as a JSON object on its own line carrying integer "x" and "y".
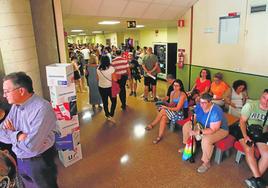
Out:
{"x": 255, "y": 113}
{"x": 166, "y": 99}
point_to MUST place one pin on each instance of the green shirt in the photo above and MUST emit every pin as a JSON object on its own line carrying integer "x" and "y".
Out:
{"x": 149, "y": 62}
{"x": 255, "y": 115}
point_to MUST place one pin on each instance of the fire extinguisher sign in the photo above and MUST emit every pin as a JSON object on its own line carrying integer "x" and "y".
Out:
{"x": 181, "y": 58}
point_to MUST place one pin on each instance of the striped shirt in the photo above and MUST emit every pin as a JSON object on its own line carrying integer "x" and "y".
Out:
{"x": 121, "y": 65}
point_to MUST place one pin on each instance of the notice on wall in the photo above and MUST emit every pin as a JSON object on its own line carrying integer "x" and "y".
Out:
{"x": 229, "y": 28}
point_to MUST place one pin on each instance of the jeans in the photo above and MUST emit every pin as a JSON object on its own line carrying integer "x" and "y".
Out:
{"x": 105, "y": 93}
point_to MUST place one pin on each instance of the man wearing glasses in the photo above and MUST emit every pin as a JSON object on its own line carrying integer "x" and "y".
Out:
{"x": 29, "y": 128}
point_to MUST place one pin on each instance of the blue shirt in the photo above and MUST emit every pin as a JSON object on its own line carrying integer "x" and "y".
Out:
{"x": 37, "y": 119}
{"x": 216, "y": 114}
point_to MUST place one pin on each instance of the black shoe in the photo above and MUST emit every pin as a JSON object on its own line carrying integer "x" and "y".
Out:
{"x": 155, "y": 99}
{"x": 124, "y": 108}
{"x": 135, "y": 94}
{"x": 131, "y": 93}
{"x": 146, "y": 99}
{"x": 251, "y": 183}
{"x": 260, "y": 182}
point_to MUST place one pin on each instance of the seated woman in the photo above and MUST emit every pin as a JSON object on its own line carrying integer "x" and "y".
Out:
{"x": 212, "y": 128}
{"x": 202, "y": 83}
{"x": 179, "y": 110}
{"x": 236, "y": 97}
{"x": 218, "y": 89}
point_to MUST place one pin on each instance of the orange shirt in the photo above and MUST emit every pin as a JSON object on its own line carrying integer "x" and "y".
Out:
{"x": 218, "y": 89}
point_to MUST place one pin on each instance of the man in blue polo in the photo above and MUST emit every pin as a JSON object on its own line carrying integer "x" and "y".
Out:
{"x": 29, "y": 128}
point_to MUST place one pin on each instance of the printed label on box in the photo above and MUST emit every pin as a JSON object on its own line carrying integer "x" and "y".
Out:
{"x": 65, "y": 111}
{"x": 69, "y": 141}
{"x": 69, "y": 157}
{"x": 59, "y": 74}
{"x": 64, "y": 127}
{"x": 59, "y": 95}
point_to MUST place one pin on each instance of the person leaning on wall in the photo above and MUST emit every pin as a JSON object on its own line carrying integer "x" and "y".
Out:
{"x": 29, "y": 127}
{"x": 253, "y": 115}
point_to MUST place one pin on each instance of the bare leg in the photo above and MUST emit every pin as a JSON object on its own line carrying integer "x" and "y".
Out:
{"x": 154, "y": 91}
{"x": 251, "y": 160}
{"x": 146, "y": 88}
{"x": 159, "y": 116}
{"x": 163, "y": 124}
{"x": 263, "y": 162}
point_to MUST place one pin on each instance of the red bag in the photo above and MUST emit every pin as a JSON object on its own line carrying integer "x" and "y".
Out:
{"x": 115, "y": 88}
{"x": 158, "y": 69}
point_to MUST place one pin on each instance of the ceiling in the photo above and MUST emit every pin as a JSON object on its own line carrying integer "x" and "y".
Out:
{"x": 85, "y": 14}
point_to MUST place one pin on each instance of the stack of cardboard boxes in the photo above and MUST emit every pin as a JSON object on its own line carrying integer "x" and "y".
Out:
{"x": 63, "y": 100}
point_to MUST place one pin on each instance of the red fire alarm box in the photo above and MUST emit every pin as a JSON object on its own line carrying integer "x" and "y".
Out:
{"x": 180, "y": 23}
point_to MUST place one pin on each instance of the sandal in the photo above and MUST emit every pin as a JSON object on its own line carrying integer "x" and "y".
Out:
{"x": 157, "y": 140}
{"x": 149, "y": 127}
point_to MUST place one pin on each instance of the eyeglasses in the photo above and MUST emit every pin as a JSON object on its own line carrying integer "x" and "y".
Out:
{"x": 203, "y": 102}
{"x": 7, "y": 92}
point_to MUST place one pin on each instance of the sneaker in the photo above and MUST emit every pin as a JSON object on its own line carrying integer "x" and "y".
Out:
{"x": 260, "y": 182}
{"x": 131, "y": 93}
{"x": 251, "y": 183}
{"x": 203, "y": 168}
{"x": 146, "y": 99}
{"x": 135, "y": 94}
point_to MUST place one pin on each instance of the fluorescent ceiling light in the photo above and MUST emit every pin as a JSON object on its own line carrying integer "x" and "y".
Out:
{"x": 76, "y": 30}
{"x": 139, "y": 26}
{"x": 82, "y": 33}
{"x": 96, "y": 32}
{"x": 108, "y": 22}
{"x": 72, "y": 35}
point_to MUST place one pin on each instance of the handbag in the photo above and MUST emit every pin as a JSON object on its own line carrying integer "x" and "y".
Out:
{"x": 115, "y": 89}
{"x": 115, "y": 86}
{"x": 158, "y": 69}
{"x": 187, "y": 152}
{"x": 255, "y": 131}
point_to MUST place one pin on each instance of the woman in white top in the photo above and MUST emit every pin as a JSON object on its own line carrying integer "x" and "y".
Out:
{"x": 236, "y": 97}
{"x": 105, "y": 74}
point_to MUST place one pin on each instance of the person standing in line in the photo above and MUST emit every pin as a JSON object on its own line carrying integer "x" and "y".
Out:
{"x": 105, "y": 76}
{"x": 94, "y": 95}
{"x": 29, "y": 127}
{"x": 123, "y": 73}
{"x": 254, "y": 113}
{"x": 135, "y": 75}
{"x": 149, "y": 65}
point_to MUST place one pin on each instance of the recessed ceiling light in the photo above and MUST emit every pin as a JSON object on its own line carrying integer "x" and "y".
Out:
{"x": 109, "y": 22}
{"x": 96, "y": 32}
{"x": 76, "y": 30}
{"x": 139, "y": 26}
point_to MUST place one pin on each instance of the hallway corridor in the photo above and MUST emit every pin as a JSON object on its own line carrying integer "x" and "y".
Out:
{"x": 123, "y": 155}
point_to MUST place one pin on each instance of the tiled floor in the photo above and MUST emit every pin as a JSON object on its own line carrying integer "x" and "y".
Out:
{"x": 123, "y": 155}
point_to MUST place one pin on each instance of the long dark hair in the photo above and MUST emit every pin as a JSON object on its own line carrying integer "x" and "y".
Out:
{"x": 208, "y": 77}
{"x": 104, "y": 63}
{"x": 181, "y": 84}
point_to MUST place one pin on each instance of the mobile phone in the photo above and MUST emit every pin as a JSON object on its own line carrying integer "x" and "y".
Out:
{"x": 249, "y": 143}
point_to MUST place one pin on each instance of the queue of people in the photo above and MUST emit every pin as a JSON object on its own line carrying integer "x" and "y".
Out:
{"x": 33, "y": 146}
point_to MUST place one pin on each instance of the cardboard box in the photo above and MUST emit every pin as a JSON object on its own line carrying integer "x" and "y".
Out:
{"x": 65, "y": 111}
{"x": 59, "y": 95}
{"x": 59, "y": 74}
{"x": 69, "y": 141}
{"x": 65, "y": 127}
{"x": 69, "y": 157}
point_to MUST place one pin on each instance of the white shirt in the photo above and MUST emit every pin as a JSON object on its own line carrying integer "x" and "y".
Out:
{"x": 105, "y": 77}
{"x": 85, "y": 53}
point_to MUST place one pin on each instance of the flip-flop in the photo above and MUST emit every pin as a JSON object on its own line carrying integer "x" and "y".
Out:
{"x": 157, "y": 140}
{"x": 149, "y": 127}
